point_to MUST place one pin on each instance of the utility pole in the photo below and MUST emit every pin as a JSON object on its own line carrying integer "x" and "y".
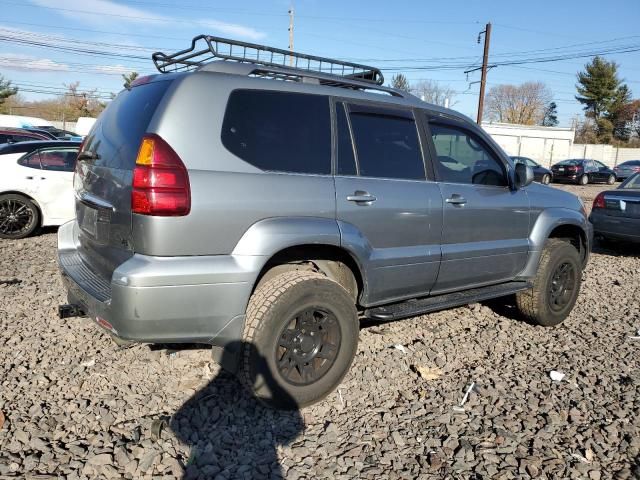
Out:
{"x": 485, "y": 61}
{"x": 291, "y": 35}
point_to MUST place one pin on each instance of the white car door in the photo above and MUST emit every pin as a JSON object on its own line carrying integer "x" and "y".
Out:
{"x": 55, "y": 184}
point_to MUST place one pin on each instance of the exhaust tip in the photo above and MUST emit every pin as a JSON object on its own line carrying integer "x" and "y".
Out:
{"x": 69, "y": 311}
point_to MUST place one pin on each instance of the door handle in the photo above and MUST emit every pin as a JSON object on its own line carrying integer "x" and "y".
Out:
{"x": 456, "y": 199}
{"x": 29, "y": 177}
{"x": 361, "y": 197}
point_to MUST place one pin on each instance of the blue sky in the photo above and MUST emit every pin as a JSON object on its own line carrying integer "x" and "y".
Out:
{"x": 412, "y": 37}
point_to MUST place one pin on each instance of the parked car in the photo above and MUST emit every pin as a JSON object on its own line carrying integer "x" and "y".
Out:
{"x": 582, "y": 171}
{"x": 250, "y": 229}
{"x": 540, "y": 174}
{"x": 616, "y": 213}
{"x": 626, "y": 169}
{"x": 36, "y": 186}
{"x": 62, "y": 134}
{"x": 14, "y": 135}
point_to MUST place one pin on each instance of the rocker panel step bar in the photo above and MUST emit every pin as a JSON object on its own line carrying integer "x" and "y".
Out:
{"x": 419, "y": 306}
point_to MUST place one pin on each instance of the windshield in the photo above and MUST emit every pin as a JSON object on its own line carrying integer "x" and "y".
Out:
{"x": 633, "y": 182}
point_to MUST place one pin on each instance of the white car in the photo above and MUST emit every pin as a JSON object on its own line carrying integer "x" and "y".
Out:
{"x": 36, "y": 186}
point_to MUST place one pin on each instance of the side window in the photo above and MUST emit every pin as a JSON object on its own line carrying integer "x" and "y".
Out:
{"x": 31, "y": 160}
{"x": 600, "y": 165}
{"x": 462, "y": 157}
{"x": 58, "y": 160}
{"x": 346, "y": 160}
{"x": 4, "y": 138}
{"x": 279, "y": 131}
{"x": 387, "y": 144}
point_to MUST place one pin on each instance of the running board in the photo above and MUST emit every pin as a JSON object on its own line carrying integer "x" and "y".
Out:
{"x": 419, "y": 306}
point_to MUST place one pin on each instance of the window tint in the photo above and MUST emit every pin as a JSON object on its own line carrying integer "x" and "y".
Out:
{"x": 600, "y": 165}
{"x": 4, "y": 138}
{"x": 279, "y": 131}
{"x": 462, "y": 158}
{"x": 58, "y": 160}
{"x": 32, "y": 160}
{"x": 346, "y": 160}
{"x": 387, "y": 144}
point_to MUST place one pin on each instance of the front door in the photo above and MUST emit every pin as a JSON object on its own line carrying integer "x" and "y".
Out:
{"x": 389, "y": 215}
{"x": 485, "y": 221}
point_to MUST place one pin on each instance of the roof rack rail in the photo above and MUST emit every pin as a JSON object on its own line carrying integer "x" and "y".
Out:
{"x": 199, "y": 55}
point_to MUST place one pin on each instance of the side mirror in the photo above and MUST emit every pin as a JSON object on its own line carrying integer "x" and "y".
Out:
{"x": 524, "y": 175}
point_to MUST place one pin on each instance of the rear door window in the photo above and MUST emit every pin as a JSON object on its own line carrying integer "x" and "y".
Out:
{"x": 60, "y": 160}
{"x": 387, "y": 143}
{"x": 279, "y": 131}
{"x": 32, "y": 160}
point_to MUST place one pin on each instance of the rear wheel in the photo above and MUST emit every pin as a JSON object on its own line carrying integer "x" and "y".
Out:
{"x": 19, "y": 217}
{"x": 611, "y": 180}
{"x": 300, "y": 337}
{"x": 584, "y": 179}
{"x": 555, "y": 287}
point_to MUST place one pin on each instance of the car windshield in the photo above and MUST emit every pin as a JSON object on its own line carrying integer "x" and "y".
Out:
{"x": 570, "y": 162}
{"x": 632, "y": 182}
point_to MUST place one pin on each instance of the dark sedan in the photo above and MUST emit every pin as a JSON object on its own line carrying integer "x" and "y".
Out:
{"x": 626, "y": 169}
{"x": 616, "y": 213}
{"x": 15, "y": 135}
{"x": 582, "y": 171}
{"x": 540, "y": 174}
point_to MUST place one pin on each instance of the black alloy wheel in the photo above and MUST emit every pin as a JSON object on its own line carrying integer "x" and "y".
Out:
{"x": 308, "y": 346}
{"x": 19, "y": 217}
{"x": 561, "y": 286}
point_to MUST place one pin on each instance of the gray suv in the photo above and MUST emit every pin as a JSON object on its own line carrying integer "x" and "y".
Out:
{"x": 264, "y": 209}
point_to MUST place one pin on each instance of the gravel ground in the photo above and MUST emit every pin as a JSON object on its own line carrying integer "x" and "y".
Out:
{"x": 76, "y": 406}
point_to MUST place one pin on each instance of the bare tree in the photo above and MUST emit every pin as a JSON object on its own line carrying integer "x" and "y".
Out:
{"x": 521, "y": 104}
{"x": 432, "y": 92}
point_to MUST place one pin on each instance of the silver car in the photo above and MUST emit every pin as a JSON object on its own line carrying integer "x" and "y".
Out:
{"x": 265, "y": 209}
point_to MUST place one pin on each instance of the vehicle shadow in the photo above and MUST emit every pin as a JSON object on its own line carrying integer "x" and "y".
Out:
{"x": 232, "y": 434}
{"x": 616, "y": 248}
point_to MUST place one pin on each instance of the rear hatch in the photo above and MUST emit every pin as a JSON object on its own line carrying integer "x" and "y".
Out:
{"x": 622, "y": 203}
{"x": 104, "y": 174}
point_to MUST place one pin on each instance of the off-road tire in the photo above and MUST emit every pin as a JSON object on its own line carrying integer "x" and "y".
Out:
{"x": 535, "y": 304}
{"x": 583, "y": 180}
{"x": 271, "y": 308}
{"x": 33, "y": 222}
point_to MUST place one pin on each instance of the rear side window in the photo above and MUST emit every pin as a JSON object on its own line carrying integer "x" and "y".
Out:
{"x": 60, "y": 160}
{"x": 387, "y": 144}
{"x": 32, "y": 160}
{"x": 117, "y": 133}
{"x": 279, "y": 131}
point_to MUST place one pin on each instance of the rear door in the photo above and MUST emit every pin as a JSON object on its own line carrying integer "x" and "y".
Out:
{"x": 485, "y": 223}
{"x": 390, "y": 216}
{"x": 56, "y": 182}
{"x": 103, "y": 184}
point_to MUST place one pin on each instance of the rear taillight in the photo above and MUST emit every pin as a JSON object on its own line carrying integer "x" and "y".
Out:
{"x": 598, "y": 202}
{"x": 160, "y": 180}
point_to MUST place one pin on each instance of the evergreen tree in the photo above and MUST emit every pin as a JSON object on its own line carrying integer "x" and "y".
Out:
{"x": 6, "y": 90}
{"x": 600, "y": 89}
{"x": 550, "y": 118}
{"x": 129, "y": 78}
{"x": 400, "y": 82}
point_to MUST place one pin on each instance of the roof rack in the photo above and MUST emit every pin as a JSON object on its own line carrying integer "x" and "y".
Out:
{"x": 199, "y": 55}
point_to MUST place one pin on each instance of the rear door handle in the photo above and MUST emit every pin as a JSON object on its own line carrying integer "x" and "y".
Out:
{"x": 361, "y": 197}
{"x": 456, "y": 199}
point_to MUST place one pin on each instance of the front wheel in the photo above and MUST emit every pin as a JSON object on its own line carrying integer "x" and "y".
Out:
{"x": 546, "y": 179}
{"x": 555, "y": 287}
{"x": 584, "y": 179}
{"x": 19, "y": 217}
{"x": 611, "y": 180}
{"x": 300, "y": 337}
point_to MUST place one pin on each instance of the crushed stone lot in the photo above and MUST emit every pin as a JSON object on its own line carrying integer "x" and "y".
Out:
{"x": 77, "y": 406}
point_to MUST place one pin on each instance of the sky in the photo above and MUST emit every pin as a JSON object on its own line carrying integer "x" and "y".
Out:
{"x": 423, "y": 39}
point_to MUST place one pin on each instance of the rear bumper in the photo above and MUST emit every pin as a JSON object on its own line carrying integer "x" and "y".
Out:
{"x": 623, "y": 228}
{"x": 162, "y": 299}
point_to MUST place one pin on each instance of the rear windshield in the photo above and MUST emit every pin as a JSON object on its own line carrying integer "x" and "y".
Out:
{"x": 117, "y": 133}
{"x": 570, "y": 162}
{"x": 632, "y": 183}
{"x": 630, "y": 163}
